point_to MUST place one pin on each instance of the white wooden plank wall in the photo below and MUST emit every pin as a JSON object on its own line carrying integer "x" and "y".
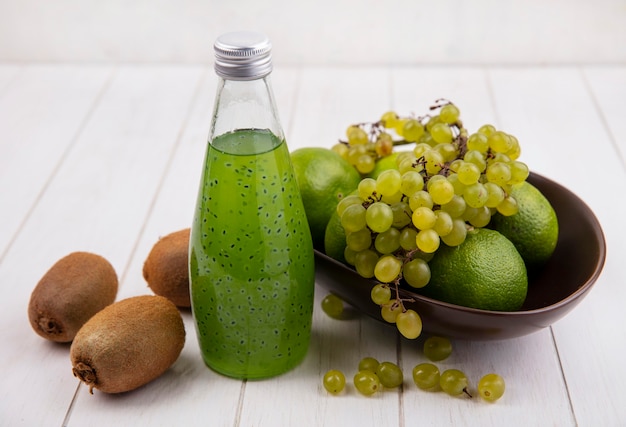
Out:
{"x": 321, "y": 32}
{"x": 107, "y": 159}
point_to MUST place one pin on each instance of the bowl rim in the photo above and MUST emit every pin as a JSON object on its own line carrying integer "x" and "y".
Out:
{"x": 582, "y": 289}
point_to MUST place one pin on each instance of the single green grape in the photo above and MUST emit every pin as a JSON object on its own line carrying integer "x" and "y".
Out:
{"x": 428, "y": 240}
{"x": 437, "y": 348}
{"x": 412, "y": 130}
{"x": 332, "y": 305}
{"x": 366, "y": 382}
{"x": 359, "y": 240}
{"x": 434, "y": 161}
{"x": 495, "y": 194}
{"x": 508, "y": 206}
{"x": 498, "y": 173}
{"x": 350, "y": 256}
{"x": 426, "y": 376}
{"x": 334, "y": 381}
{"x": 454, "y": 382}
{"x": 389, "y": 374}
{"x": 387, "y": 268}
{"x": 475, "y": 195}
{"x": 407, "y": 239}
{"x": 380, "y": 294}
{"x": 468, "y": 173}
{"x": 356, "y": 135}
{"x": 444, "y": 223}
{"x": 479, "y": 142}
{"x": 401, "y": 214}
{"x": 423, "y": 218}
{"x": 383, "y": 145}
{"x": 341, "y": 149}
{"x": 421, "y": 199}
{"x": 366, "y": 188}
{"x": 519, "y": 172}
{"x": 481, "y": 218}
{"x": 500, "y": 142}
{"x": 449, "y": 114}
{"x": 353, "y": 218}
{"x": 378, "y": 217}
{"x": 442, "y": 191}
{"x": 365, "y": 163}
{"x": 408, "y": 163}
{"x": 441, "y": 133}
{"x": 491, "y": 387}
{"x": 416, "y": 273}
{"x": 389, "y": 182}
{"x": 448, "y": 151}
{"x": 412, "y": 181}
{"x": 409, "y": 324}
{"x": 388, "y": 241}
{"x": 368, "y": 364}
{"x": 389, "y": 312}
{"x": 487, "y": 129}
{"x": 389, "y": 119}
{"x": 455, "y": 207}
{"x": 365, "y": 262}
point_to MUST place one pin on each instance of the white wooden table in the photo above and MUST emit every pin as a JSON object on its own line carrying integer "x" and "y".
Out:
{"x": 107, "y": 158}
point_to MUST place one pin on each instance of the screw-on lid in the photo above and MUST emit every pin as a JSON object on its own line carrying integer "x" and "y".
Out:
{"x": 243, "y": 55}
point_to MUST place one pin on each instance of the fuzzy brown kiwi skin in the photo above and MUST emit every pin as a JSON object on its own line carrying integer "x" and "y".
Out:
{"x": 166, "y": 268}
{"x": 75, "y": 288}
{"x": 128, "y": 344}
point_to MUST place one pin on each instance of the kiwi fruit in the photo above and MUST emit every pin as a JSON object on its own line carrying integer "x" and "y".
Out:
{"x": 74, "y": 289}
{"x": 166, "y": 268}
{"x": 128, "y": 344}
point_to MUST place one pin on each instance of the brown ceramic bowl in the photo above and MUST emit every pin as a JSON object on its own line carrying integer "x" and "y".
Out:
{"x": 565, "y": 280}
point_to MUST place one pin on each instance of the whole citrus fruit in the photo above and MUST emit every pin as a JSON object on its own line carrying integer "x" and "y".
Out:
{"x": 484, "y": 272}
{"x": 534, "y": 229}
{"x": 324, "y": 178}
{"x": 335, "y": 238}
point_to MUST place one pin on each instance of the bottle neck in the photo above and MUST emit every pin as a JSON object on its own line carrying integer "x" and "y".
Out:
{"x": 244, "y": 104}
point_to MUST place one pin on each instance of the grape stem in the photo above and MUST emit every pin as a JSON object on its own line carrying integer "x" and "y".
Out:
{"x": 396, "y": 285}
{"x": 441, "y": 102}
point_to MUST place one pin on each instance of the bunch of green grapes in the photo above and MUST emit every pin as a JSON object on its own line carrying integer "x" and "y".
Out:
{"x": 450, "y": 182}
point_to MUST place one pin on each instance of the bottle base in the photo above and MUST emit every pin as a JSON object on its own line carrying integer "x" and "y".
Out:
{"x": 256, "y": 374}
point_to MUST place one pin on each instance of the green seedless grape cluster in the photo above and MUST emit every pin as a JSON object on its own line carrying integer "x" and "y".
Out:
{"x": 450, "y": 182}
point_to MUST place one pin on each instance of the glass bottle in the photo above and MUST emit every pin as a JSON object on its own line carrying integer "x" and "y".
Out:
{"x": 251, "y": 260}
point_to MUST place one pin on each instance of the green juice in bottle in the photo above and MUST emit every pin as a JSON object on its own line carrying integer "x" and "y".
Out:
{"x": 251, "y": 260}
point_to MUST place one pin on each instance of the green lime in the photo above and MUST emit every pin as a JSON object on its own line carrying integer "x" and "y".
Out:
{"x": 484, "y": 272}
{"x": 335, "y": 238}
{"x": 324, "y": 178}
{"x": 534, "y": 229}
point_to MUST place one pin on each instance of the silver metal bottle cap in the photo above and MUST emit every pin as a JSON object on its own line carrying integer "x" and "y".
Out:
{"x": 243, "y": 55}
